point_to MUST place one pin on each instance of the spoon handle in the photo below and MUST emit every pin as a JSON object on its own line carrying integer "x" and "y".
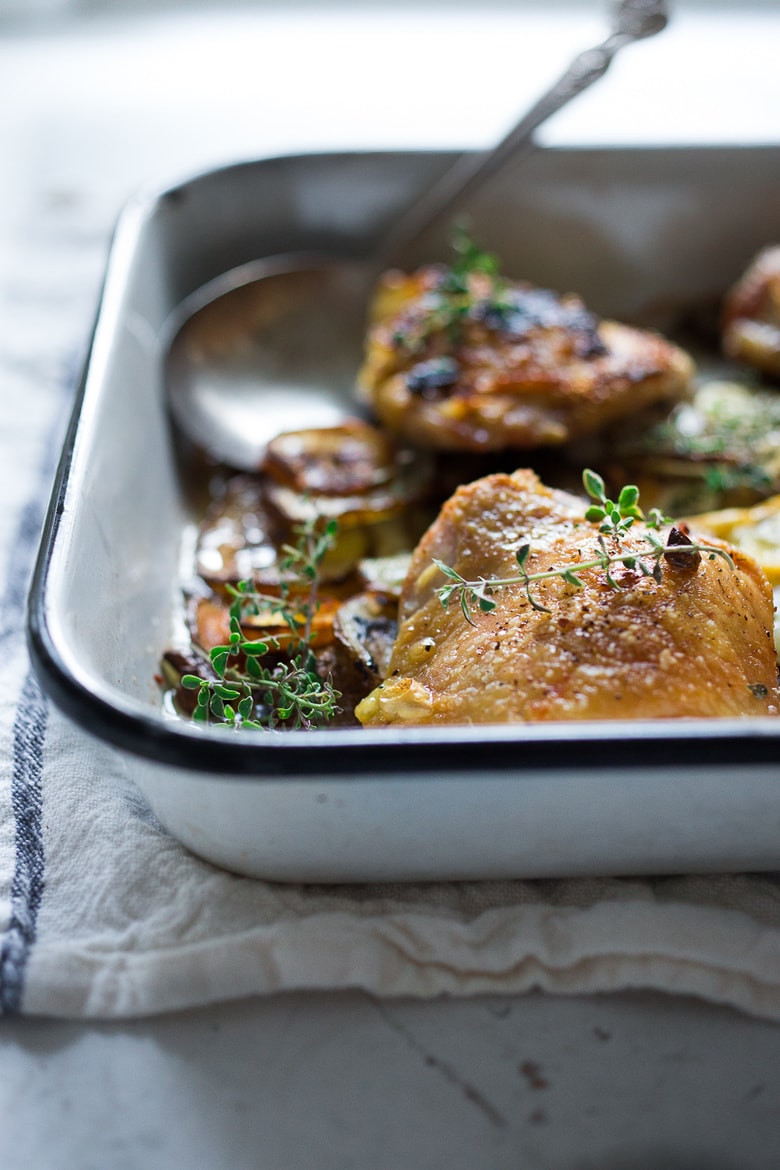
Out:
{"x": 634, "y": 20}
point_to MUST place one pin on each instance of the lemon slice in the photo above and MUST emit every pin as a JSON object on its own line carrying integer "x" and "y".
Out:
{"x": 754, "y": 530}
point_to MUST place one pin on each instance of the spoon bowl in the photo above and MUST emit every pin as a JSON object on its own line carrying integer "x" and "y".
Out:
{"x": 266, "y": 348}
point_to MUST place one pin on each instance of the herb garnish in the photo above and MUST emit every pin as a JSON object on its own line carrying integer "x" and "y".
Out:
{"x": 275, "y": 681}
{"x": 454, "y": 299}
{"x": 615, "y": 518}
{"x": 469, "y": 258}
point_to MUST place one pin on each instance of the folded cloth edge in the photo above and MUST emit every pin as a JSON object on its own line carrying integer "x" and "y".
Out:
{"x": 724, "y": 957}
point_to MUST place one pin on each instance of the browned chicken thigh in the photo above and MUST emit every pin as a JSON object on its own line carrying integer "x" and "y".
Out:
{"x": 699, "y": 642}
{"x": 475, "y": 362}
{"x": 751, "y": 314}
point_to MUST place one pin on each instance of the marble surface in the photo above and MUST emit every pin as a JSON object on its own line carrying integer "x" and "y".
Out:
{"x": 101, "y": 103}
{"x": 315, "y": 1082}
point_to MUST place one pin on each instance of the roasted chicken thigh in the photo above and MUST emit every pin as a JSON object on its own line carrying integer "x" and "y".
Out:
{"x": 697, "y": 642}
{"x": 751, "y": 314}
{"x": 474, "y": 362}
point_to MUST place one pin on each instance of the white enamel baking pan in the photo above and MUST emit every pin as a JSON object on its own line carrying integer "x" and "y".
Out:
{"x": 637, "y": 233}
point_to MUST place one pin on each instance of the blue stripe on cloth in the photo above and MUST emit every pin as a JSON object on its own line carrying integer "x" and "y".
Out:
{"x": 28, "y": 880}
{"x": 29, "y": 733}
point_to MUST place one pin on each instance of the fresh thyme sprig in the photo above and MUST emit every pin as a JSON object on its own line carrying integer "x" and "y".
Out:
{"x": 615, "y": 518}
{"x": 469, "y": 258}
{"x": 450, "y": 304}
{"x": 289, "y": 690}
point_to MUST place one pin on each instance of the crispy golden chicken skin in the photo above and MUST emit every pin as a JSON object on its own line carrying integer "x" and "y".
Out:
{"x": 479, "y": 363}
{"x": 697, "y": 643}
{"x": 751, "y": 314}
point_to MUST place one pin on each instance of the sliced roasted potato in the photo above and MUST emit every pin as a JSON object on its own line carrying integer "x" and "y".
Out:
{"x": 366, "y": 626}
{"x": 210, "y": 623}
{"x": 378, "y": 493}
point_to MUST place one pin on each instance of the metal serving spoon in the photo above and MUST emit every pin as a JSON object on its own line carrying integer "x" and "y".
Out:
{"x": 274, "y": 345}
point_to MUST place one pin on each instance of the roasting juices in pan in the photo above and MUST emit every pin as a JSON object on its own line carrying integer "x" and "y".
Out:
{"x": 446, "y": 560}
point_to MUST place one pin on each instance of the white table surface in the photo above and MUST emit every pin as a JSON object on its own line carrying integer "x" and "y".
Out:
{"x": 98, "y": 100}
